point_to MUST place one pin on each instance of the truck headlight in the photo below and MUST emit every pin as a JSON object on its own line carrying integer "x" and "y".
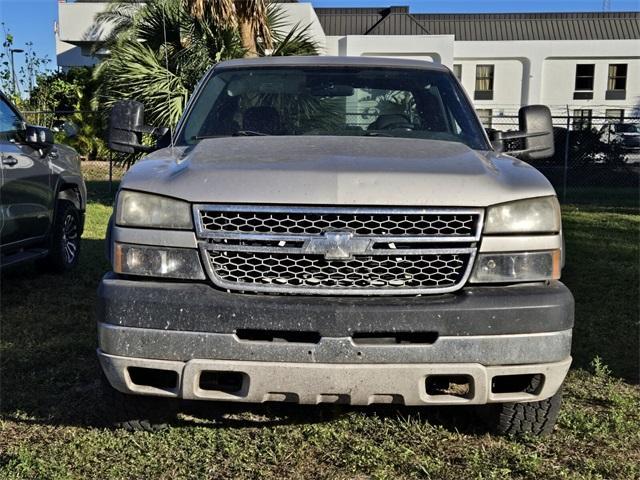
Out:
{"x": 152, "y": 261}
{"x": 516, "y": 267}
{"x": 535, "y": 215}
{"x": 136, "y": 209}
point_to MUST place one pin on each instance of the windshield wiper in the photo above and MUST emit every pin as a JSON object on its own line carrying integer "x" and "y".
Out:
{"x": 375, "y": 134}
{"x": 239, "y": 133}
{"x": 249, "y": 133}
{"x": 204, "y": 137}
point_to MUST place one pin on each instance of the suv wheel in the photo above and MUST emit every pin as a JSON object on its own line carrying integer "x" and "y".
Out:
{"x": 532, "y": 418}
{"x": 138, "y": 412}
{"x": 65, "y": 239}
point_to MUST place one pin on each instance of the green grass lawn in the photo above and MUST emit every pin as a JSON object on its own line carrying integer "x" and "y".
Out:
{"x": 52, "y": 421}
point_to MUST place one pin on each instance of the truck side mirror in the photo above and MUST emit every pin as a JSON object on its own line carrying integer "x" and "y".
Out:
{"x": 126, "y": 127}
{"x": 534, "y": 140}
{"x": 39, "y": 137}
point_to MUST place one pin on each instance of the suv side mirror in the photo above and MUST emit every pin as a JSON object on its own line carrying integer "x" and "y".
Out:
{"x": 535, "y": 131}
{"x": 38, "y": 137}
{"x": 126, "y": 127}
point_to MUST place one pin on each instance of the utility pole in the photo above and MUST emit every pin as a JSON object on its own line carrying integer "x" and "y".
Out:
{"x": 16, "y": 90}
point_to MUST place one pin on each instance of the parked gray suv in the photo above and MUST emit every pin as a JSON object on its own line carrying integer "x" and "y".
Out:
{"x": 335, "y": 230}
{"x": 42, "y": 195}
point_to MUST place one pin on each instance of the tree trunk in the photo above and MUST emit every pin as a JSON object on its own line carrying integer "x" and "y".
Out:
{"x": 248, "y": 39}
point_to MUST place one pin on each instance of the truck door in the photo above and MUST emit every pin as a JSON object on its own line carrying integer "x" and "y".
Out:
{"x": 26, "y": 197}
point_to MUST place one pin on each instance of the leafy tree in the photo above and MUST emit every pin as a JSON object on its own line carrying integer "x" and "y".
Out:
{"x": 159, "y": 51}
{"x": 6, "y": 76}
{"x": 25, "y": 76}
{"x": 61, "y": 98}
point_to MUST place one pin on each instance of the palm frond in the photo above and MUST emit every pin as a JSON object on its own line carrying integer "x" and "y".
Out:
{"x": 221, "y": 11}
{"x": 138, "y": 73}
{"x": 297, "y": 41}
{"x": 118, "y": 19}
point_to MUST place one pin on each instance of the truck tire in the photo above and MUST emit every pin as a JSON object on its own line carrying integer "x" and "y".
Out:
{"x": 532, "y": 418}
{"x": 64, "y": 249}
{"x": 136, "y": 413}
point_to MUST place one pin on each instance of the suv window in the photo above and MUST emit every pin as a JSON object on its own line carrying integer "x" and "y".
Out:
{"x": 10, "y": 121}
{"x": 333, "y": 101}
{"x": 627, "y": 128}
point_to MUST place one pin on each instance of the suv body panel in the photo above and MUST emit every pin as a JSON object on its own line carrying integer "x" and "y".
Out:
{"x": 32, "y": 181}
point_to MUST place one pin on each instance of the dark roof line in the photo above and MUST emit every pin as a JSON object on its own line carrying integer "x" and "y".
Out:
{"x": 482, "y": 26}
{"x": 393, "y": 22}
{"x": 382, "y": 10}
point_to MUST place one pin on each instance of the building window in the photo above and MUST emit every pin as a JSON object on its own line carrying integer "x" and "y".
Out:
{"x": 484, "y": 82}
{"x": 616, "y": 114}
{"x": 457, "y": 71}
{"x": 486, "y": 116}
{"x": 582, "y": 119}
{"x": 584, "y": 82}
{"x": 584, "y": 77}
{"x": 617, "y": 84}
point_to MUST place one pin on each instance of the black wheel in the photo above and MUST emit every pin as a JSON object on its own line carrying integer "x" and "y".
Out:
{"x": 533, "y": 418}
{"x": 138, "y": 412}
{"x": 65, "y": 239}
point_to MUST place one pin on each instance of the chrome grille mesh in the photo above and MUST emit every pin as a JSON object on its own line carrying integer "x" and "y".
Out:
{"x": 337, "y": 251}
{"x": 295, "y": 271}
{"x": 315, "y": 223}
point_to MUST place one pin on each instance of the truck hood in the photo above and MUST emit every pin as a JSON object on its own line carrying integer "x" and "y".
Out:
{"x": 307, "y": 170}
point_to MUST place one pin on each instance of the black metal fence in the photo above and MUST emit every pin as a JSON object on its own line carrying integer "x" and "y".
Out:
{"x": 596, "y": 160}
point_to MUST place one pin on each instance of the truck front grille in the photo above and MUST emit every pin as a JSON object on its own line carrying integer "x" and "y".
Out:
{"x": 337, "y": 251}
{"x": 316, "y": 223}
{"x": 314, "y": 271}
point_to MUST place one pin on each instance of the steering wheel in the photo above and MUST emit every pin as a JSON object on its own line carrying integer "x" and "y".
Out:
{"x": 397, "y": 126}
{"x": 392, "y": 122}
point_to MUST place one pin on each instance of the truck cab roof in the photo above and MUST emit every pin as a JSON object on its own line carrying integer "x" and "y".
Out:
{"x": 330, "y": 61}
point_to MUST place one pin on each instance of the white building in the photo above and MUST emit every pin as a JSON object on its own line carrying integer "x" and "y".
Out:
{"x": 587, "y": 64}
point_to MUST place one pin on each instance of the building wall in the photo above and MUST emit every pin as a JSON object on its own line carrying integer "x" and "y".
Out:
{"x": 547, "y": 73}
{"x": 559, "y": 82}
{"x": 434, "y": 48}
{"x": 508, "y": 86}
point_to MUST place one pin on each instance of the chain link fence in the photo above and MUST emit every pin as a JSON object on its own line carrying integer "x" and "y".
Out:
{"x": 596, "y": 160}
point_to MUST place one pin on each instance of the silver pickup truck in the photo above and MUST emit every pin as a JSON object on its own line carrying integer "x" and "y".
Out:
{"x": 335, "y": 230}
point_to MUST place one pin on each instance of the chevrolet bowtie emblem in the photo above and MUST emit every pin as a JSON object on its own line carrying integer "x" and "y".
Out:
{"x": 337, "y": 245}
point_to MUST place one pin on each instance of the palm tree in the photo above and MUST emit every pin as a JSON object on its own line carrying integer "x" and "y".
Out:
{"x": 248, "y": 16}
{"x": 158, "y": 51}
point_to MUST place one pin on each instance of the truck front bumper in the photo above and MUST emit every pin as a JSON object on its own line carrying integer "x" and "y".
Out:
{"x": 346, "y": 350}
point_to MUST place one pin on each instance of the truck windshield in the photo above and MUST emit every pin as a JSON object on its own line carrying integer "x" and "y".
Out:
{"x": 345, "y": 101}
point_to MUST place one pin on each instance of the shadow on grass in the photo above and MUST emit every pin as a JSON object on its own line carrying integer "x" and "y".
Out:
{"x": 603, "y": 274}
{"x": 49, "y": 338}
{"x": 463, "y": 419}
{"x": 102, "y": 191}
